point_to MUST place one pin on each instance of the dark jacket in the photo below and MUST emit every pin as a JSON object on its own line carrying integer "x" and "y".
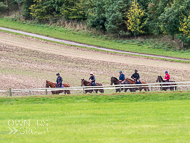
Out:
{"x": 92, "y": 78}
{"x": 59, "y": 80}
{"x": 135, "y": 75}
{"x": 122, "y": 77}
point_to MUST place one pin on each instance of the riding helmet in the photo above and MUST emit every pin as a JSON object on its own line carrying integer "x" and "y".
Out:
{"x": 166, "y": 71}
{"x": 120, "y": 72}
{"x": 57, "y": 74}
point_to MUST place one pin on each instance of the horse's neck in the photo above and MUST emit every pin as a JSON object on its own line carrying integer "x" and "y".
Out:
{"x": 51, "y": 84}
{"x": 86, "y": 82}
{"x": 161, "y": 79}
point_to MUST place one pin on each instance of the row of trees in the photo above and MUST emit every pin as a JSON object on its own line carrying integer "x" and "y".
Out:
{"x": 137, "y": 17}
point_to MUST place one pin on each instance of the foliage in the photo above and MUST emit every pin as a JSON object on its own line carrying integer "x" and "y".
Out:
{"x": 3, "y": 6}
{"x": 115, "y": 16}
{"x": 74, "y": 9}
{"x": 185, "y": 29}
{"x": 134, "y": 15}
{"x": 96, "y": 15}
{"x": 171, "y": 17}
{"x": 26, "y": 8}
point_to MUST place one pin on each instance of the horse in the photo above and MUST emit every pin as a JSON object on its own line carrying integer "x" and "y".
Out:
{"x": 160, "y": 79}
{"x": 145, "y": 87}
{"x": 115, "y": 81}
{"x": 86, "y": 83}
{"x": 53, "y": 85}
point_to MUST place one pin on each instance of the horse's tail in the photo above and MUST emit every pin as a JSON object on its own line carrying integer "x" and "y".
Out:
{"x": 102, "y": 91}
{"x": 148, "y": 89}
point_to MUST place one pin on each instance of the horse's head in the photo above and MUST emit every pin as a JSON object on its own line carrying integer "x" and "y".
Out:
{"x": 114, "y": 80}
{"x": 159, "y": 79}
{"x": 47, "y": 84}
{"x": 82, "y": 82}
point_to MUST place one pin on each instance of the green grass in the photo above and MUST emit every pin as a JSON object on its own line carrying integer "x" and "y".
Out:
{"x": 149, "y": 117}
{"x": 82, "y": 37}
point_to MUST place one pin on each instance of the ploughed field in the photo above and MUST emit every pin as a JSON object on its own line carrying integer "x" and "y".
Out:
{"x": 27, "y": 63}
{"x": 149, "y": 117}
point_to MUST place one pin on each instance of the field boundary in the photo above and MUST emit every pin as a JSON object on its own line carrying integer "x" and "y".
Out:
{"x": 107, "y": 87}
{"x": 90, "y": 46}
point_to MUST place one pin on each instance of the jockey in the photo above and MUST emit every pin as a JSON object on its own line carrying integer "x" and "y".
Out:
{"x": 121, "y": 77}
{"x": 136, "y": 77}
{"x": 92, "y": 79}
{"x": 167, "y": 76}
{"x": 59, "y": 80}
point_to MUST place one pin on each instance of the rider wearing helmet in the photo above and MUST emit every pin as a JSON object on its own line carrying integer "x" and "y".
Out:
{"x": 136, "y": 77}
{"x": 59, "y": 80}
{"x": 121, "y": 77}
{"x": 92, "y": 79}
{"x": 167, "y": 76}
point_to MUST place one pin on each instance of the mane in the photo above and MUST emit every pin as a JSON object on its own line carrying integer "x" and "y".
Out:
{"x": 115, "y": 78}
{"x": 161, "y": 78}
{"x": 49, "y": 81}
{"x": 129, "y": 80}
{"x": 86, "y": 81}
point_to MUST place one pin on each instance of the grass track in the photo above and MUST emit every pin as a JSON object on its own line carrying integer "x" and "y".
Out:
{"x": 150, "y": 117}
{"x": 81, "y": 37}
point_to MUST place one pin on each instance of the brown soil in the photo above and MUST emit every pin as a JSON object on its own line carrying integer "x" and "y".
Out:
{"x": 27, "y": 62}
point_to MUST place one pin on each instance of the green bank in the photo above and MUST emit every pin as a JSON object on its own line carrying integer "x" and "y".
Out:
{"x": 89, "y": 38}
{"x": 149, "y": 117}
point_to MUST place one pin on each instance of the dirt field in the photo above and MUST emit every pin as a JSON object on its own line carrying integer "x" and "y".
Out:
{"x": 27, "y": 62}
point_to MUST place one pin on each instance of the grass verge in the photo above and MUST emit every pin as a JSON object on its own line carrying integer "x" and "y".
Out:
{"x": 171, "y": 60}
{"x": 88, "y": 38}
{"x": 151, "y": 117}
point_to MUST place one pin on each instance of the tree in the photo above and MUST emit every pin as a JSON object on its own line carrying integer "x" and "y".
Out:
{"x": 18, "y": 3}
{"x": 3, "y": 6}
{"x": 96, "y": 15}
{"x": 115, "y": 16}
{"x": 185, "y": 29}
{"x": 170, "y": 18}
{"x": 26, "y": 8}
{"x": 134, "y": 22}
{"x": 155, "y": 9}
{"x": 74, "y": 9}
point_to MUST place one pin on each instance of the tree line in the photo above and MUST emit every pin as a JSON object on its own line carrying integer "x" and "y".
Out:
{"x": 134, "y": 17}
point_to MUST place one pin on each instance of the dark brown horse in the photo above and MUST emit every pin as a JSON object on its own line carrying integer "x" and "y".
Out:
{"x": 53, "y": 85}
{"x": 115, "y": 81}
{"x": 86, "y": 83}
{"x": 160, "y": 79}
{"x": 141, "y": 87}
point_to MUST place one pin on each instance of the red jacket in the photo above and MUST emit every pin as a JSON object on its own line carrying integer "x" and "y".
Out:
{"x": 167, "y": 77}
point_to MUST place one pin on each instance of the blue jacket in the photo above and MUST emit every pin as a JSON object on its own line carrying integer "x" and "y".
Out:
{"x": 59, "y": 80}
{"x": 92, "y": 78}
{"x": 122, "y": 77}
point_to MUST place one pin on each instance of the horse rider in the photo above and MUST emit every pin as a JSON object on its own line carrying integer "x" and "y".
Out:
{"x": 167, "y": 77}
{"x": 92, "y": 79}
{"x": 136, "y": 77}
{"x": 122, "y": 77}
{"x": 59, "y": 80}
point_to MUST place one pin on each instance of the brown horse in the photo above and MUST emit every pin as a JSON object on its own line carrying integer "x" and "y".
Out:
{"x": 141, "y": 87}
{"x": 53, "y": 85}
{"x": 86, "y": 83}
{"x": 115, "y": 81}
{"x": 160, "y": 79}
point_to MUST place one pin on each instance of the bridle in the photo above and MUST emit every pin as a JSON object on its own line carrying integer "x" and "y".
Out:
{"x": 47, "y": 84}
